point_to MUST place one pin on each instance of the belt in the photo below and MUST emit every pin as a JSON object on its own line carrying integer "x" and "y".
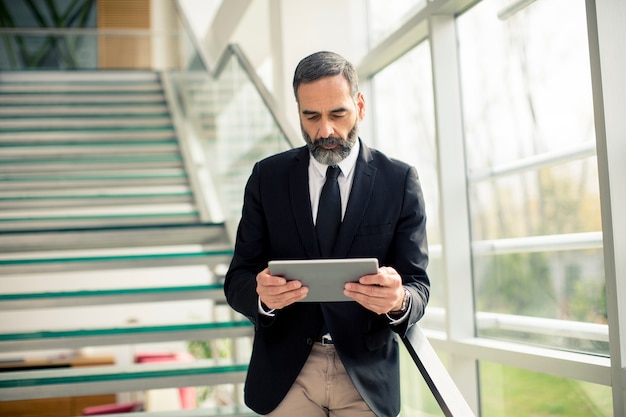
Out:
{"x": 326, "y": 339}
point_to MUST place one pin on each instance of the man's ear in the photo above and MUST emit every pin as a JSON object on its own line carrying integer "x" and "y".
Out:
{"x": 360, "y": 104}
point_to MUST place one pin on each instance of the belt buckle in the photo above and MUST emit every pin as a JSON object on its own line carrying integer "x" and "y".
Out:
{"x": 327, "y": 339}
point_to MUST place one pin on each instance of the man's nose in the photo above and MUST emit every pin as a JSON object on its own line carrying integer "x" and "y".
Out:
{"x": 326, "y": 130}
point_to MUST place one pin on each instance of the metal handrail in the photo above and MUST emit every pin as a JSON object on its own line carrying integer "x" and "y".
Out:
{"x": 544, "y": 160}
{"x": 266, "y": 96}
{"x": 435, "y": 375}
{"x": 486, "y": 320}
{"x": 546, "y": 243}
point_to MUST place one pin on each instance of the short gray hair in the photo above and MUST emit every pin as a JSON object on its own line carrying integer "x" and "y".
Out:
{"x": 325, "y": 64}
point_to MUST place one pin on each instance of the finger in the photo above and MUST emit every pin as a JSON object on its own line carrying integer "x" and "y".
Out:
{"x": 370, "y": 279}
{"x": 375, "y": 298}
{"x": 386, "y": 277}
{"x": 366, "y": 293}
{"x": 272, "y": 280}
{"x": 283, "y": 299}
{"x": 287, "y": 287}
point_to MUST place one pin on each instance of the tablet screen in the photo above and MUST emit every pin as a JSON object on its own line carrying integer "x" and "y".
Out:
{"x": 325, "y": 277}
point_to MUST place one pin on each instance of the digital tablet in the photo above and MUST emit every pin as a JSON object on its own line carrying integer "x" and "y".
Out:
{"x": 325, "y": 277}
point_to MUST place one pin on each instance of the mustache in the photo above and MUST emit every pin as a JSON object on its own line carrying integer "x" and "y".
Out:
{"x": 329, "y": 141}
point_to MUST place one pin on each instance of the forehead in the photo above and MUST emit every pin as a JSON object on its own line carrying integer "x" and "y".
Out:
{"x": 328, "y": 91}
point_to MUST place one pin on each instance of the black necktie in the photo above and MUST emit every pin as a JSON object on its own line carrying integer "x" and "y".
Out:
{"x": 329, "y": 212}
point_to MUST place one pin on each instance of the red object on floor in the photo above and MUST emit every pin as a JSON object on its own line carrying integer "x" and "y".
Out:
{"x": 187, "y": 394}
{"x": 113, "y": 408}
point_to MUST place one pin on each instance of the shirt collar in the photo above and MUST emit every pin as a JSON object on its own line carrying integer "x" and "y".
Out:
{"x": 346, "y": 165}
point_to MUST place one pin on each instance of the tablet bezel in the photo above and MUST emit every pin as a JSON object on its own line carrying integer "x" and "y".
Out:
{"x": 324, "y": 277}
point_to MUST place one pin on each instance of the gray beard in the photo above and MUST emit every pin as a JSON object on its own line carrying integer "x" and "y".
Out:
{"x": 331, "y": 156}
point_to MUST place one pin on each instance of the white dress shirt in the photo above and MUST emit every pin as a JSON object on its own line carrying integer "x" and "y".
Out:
{"x": 317, "y": 177}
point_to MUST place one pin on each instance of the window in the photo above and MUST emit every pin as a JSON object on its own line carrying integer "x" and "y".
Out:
{"x": 533, "y": 180}
{"x": 403, "y": 114}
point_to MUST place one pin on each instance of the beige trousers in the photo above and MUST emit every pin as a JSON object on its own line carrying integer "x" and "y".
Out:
{"x": 323, "y": 389}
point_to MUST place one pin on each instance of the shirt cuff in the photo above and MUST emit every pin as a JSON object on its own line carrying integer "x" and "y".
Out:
{"x": 267, "y": 313}
{"x": 394, "y": 321}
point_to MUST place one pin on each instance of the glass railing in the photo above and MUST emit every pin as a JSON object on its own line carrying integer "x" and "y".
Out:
{"x": 229, "y": 127}
{"x": 228, "y": 120}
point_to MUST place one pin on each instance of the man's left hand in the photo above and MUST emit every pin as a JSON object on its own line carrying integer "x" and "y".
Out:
{"x": 380, "y": 293}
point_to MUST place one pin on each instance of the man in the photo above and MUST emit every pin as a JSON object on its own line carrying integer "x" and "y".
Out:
{"x": 338, "y": 359}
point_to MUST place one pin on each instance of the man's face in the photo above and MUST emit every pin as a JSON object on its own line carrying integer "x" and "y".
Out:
{"x": 329, "y": 118}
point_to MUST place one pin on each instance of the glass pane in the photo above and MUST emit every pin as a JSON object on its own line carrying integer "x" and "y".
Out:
{"x": 387, "y": 15}
{"x": 403, "y": 124}
{"x": 565, "y": 285}
{"x": 533, "y": 178}
{"x": 234, "y": 128}
{"x": 549, "y": 201}
{"x": 49, "y": 14}
{"x": 526, "y": 81}
{"x": 514, "y": 392}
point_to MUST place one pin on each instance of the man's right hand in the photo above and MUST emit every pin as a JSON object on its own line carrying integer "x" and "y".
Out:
{"x": 276, "y": 292}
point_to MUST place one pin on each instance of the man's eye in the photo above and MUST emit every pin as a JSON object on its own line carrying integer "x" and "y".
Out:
{"x": 313, "y": 118}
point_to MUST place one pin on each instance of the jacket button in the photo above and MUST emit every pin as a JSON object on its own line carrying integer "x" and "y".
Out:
{"x": 309, "y": 341}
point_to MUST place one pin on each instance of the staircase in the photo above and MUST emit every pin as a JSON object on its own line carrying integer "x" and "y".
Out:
{"x": 97, "y": 217}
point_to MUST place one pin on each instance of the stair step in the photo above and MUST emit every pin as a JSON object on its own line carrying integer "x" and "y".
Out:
{"x": 85, "y": 182}
{"x": 82, "y": 217}
{"x": 114, "y": 237}
{"x": 38, "y": 300}
{"x": 81, "y": 100}
{"x": 47, "y": 214}
{"x": 83, "y": 111}
{"x": 115, "y": 123}
{"x": 80, "y": 139}
{"x": 136, "y": 252}
{"x": 73, "y": 260}
{"x": 93, "y": 174}
{"x": 104, "y": 201}
{"x": 121, "y": 191}
{"x": 49, "y": 383}
{"x": 95, "y": 162}
{"x": 78, "y": 338}
{"x": 79, "y": 87}
{"x": 56, "y": 223}
{"x": 10, "y": 153}
{"x": 100, "y": 196}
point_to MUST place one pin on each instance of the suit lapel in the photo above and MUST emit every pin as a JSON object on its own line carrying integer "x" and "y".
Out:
{"x": 301, "y": 202}
{"x": 362, "y": 187}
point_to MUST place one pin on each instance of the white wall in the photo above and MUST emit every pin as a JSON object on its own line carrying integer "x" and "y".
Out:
{"x": 304, "y": 27}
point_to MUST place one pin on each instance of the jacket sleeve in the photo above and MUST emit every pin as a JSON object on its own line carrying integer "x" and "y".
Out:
{"x": 409, "y": 250}
{"x": 250, "y": 255}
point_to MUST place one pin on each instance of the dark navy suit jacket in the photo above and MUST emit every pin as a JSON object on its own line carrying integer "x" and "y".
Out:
{"x": 384, "y": 219}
